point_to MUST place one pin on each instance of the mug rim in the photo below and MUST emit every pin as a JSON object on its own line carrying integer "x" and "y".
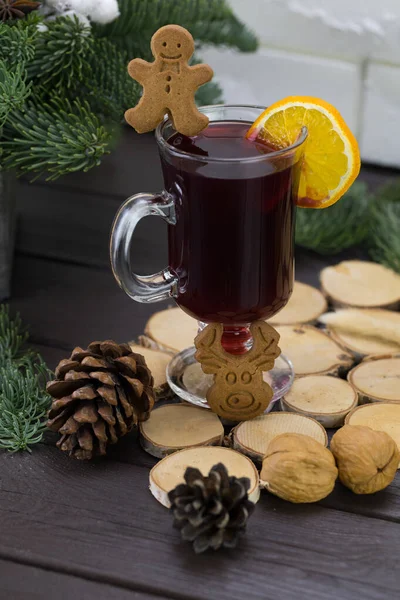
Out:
{"x": 163, "y": 143}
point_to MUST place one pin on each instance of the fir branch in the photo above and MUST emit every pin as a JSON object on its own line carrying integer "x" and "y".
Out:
{"x": 209, "y": 21}
{"x": 106, "y": 84}
{"x": 209, "y": 93}
{"x": 59, "y": 137}
{"x": 13, "y": 336}
{"x": 14, "y": 90}
{"x": 23, "y": 405}
{"x": 23, "y": 374}
{"x": 337, "y": 227}
{"x": 384, "y": 238}
{"x": 16, "y": 44}
{"x": 61, "y": 52}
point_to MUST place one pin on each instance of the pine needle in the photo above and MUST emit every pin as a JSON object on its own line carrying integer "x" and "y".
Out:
{"x": 23, "y": 400}
{"x": 384, "y": 238}
{"x": 333, "y": 229}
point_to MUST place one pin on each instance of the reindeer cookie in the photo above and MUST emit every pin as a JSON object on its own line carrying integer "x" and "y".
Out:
{"x": 169, "y": 84}
{"x": 239, "y": 391}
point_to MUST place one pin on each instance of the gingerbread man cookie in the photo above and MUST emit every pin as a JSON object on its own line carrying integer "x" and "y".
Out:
{"x": 169, "y": 84}
{"x": 239, "y": 391}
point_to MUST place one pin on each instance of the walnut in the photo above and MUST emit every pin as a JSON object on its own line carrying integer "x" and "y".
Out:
{"x": 297, "y": 468}
{"x": 367, "y": 459}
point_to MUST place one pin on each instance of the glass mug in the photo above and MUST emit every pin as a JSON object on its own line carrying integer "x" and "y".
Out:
{"x": 230, "y": 231}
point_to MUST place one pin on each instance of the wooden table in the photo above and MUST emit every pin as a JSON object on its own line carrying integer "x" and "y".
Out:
{"x": 77, "y": 530}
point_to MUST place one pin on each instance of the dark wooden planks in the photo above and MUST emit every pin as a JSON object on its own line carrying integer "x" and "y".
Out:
{"x": 26, "y": 582}
{"x": 51, "y": 356}
{"x": 67, "y": 305}
{"x": 99, "y": 521}
{"x": 75, "y": 226}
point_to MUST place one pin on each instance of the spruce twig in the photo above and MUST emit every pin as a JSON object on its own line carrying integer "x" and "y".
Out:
{"x": 331, "y": 230}
{"x": 13, "y": 337}
{"x": 59, "y": 137}
{"x": 209, "y": 21}
{"x": 23, "y": 400}
{"x": 384, "y": 238}
{"x": 23, "y": 405}
{"x": 61, "y": 52}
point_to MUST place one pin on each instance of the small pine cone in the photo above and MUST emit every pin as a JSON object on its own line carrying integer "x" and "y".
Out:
{"x": 99, "y": 394}
{"x": 211, "y": 511}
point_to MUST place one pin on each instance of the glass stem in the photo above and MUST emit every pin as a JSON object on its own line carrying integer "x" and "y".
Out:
{"x": 237, "y": 340}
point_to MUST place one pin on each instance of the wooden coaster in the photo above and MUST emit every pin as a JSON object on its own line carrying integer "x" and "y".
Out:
{"x": 305, "y": 305}
{"x": 168, "y": 473}
{"x": 312, "y": 351}
{"x": 361, "y": 284}
{"x": 364, "y": 331}
{"x": 324, "y": 398}
{"x": 253, "y": 437}
{"x": 170, "y": 330}
{"x": 176, "y": 426}
{"x": 377, "y": 380}
{"x": 380, "y": 416}
{"x": 239, "y": 391}
{"x": 157, "y": 362}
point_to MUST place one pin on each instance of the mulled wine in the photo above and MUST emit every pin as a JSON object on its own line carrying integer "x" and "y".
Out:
{"x": 232, "y": 246}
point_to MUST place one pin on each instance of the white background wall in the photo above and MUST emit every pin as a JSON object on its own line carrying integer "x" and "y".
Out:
{"x": 344, "y": 51}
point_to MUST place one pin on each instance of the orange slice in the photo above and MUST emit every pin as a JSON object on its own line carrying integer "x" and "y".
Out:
{"x": 331, "y": 159}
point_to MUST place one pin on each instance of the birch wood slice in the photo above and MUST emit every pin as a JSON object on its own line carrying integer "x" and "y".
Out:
{"x": 380, "y": 416}
{"x": 169, "y": 472}
{"x": 365, "y": 332}
{"x": 377, "y": 380}
{"x": 312, "y": 351}
{"x": 176, "y": 426}
{"x": 170, "y": 330}
{"x": 253, "y": 437}
{"x": 326, "y": 399}
{"x": 306, "y": 304}
{"x": 157, "y": 362}
{"x": 361, "y": 284}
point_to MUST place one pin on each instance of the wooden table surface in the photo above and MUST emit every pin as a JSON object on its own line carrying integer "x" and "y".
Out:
{"x": 91, "y": 530}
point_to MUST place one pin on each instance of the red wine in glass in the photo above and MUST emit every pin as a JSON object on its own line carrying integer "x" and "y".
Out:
{"x": 233, "y": 243}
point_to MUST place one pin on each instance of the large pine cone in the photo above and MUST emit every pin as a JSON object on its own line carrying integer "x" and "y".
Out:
{"x": 99, "y": 394}
{"x": 211, "y": 511}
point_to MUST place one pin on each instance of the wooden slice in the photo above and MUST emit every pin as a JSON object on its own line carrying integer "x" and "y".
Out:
{"x": 306, "y": 304}
{"x": 312, "y": 351}
{"x": 252, "y": 437}
{"x": 364, "y": 331}
{"x": 157, "y": 362}
{"x": 377, "y": 380}
{"x": 169, "y": 472}
{"x": 176, "y": 426}
{"x": 380, "y": 416}
{"x": 326, "y": 399}
{"x": 170, "y": 330}
{"x": 361, "y": 284}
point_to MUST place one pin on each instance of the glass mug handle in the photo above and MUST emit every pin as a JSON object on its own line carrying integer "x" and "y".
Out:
{"x": 142, "y": 288}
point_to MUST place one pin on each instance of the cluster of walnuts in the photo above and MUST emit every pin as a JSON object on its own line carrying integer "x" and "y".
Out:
{"x": 300, "y": 469}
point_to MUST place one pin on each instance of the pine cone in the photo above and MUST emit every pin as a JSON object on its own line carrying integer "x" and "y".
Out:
{"x": 99, "y": 394}
{"x": 211, "y": 511}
